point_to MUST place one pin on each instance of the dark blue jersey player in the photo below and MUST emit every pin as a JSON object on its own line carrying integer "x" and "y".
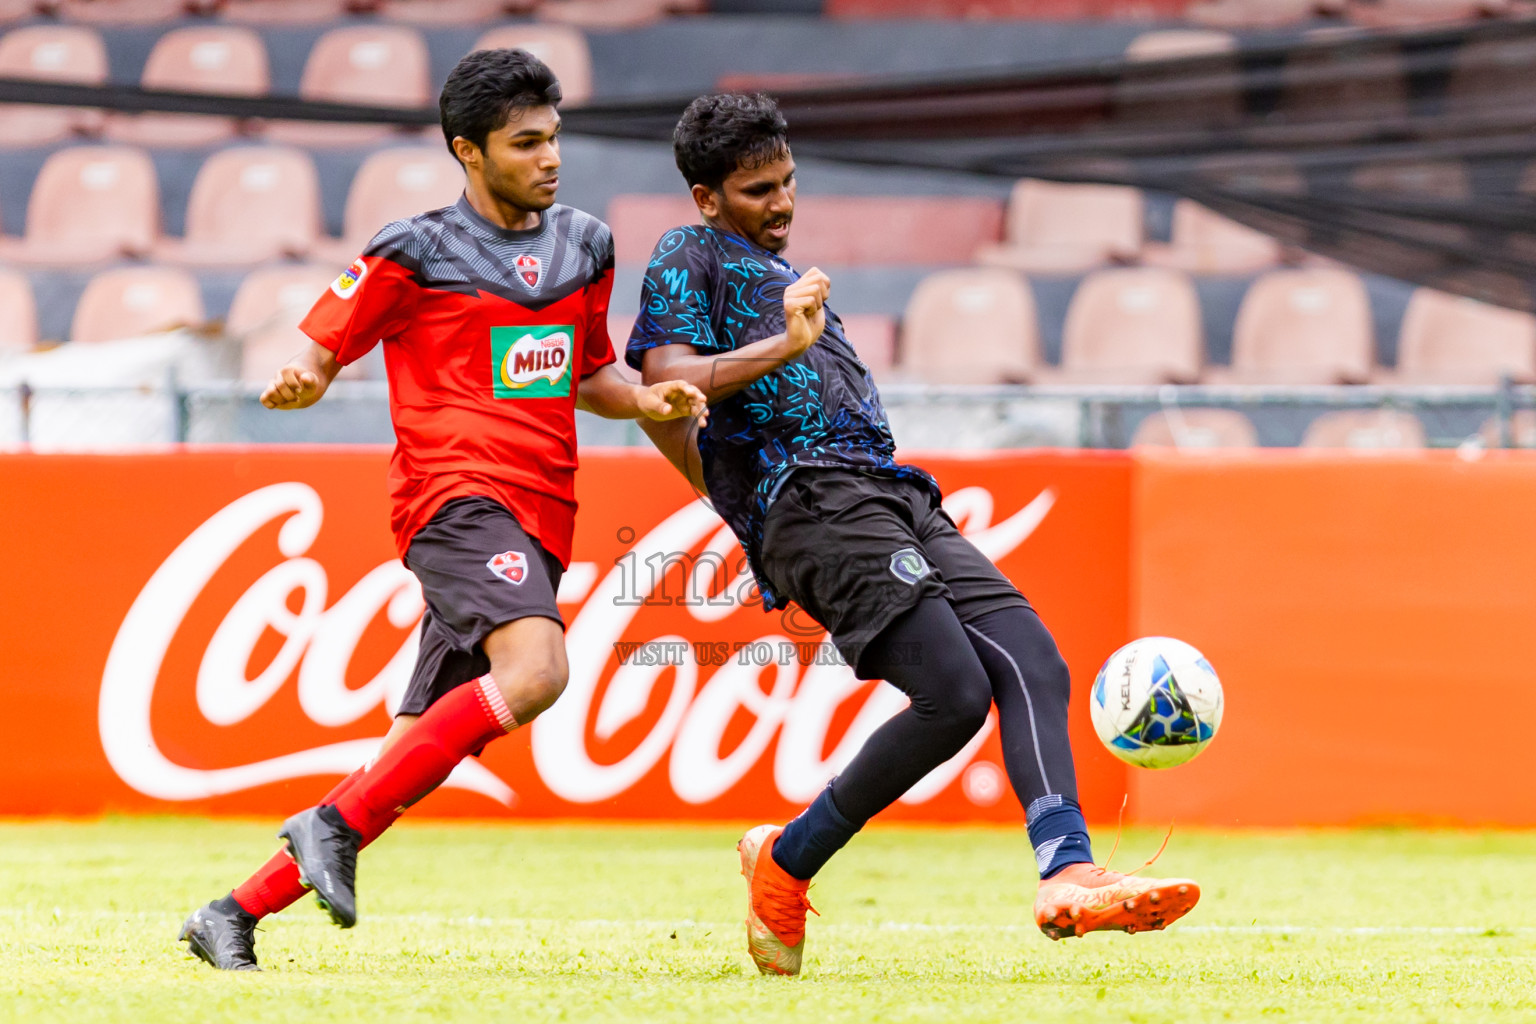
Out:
{"x": 797, "y": 457}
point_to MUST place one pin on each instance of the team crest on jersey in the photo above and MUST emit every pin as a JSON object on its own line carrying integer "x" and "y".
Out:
{"x": 511, "y": 566}
{"x": 345, "y": 286}
{"x": 532, "y": 362}
{"x": 909, "y": 566}
{"x": 530, "y": 269}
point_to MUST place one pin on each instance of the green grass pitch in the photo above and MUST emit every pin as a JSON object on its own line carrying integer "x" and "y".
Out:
{"x": 534, "y": 923}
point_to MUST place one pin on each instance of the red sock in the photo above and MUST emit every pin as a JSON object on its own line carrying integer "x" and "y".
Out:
{"x": 275, "y": 884}
{"x": 459, "y": 724}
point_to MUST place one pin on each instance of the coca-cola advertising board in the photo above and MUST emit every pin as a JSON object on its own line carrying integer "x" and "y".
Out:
{"x": 225, "y": 630}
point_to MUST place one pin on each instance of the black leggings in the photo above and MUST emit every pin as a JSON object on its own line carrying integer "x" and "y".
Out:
{"x": 953, "y": 672}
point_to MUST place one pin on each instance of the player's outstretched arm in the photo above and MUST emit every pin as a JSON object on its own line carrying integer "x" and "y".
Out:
{"x": 303, "y": 379}
{"x": 610, "y": 396}
{"x": 721, "y": 375}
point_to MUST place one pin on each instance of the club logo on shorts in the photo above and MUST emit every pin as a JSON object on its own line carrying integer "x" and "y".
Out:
{"x": 909, "y": 565}
{"x": 530, "y": 269}
{"x": 345, "y": 286}
{"x": 511, "y": 566}
{"x": 532, "y": 362}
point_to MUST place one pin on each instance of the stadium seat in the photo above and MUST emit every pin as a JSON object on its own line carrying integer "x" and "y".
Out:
{"x": 1195, "y": 428}
{"x": 1302, "y": 327}
{"x": 1522, "y": 430}
{"x": 1490, "y": 72}
{"x": 971, "y": 326}
{"x": 225, "y": 59}
{"x": 18, "y": 312}
{"x": 1134, "y": 325}
{"x": 250, "y": 204}
{"x": 1155, "y": 92}
{"x": 378, "y": 65}
{"x": 390, "y": 185}
{"x": 1431, "y": 179}
{"x": 1365, "y": 429}
{"x": 453, "y": 12}
{"x": 286, "y": 12}
{"x": 1258, "y": 173}
{"x": 1056, "y": 228}
{"x": 832, "y": 230}
{"x": 1448, "y": 339}
{"x": 1408, "y": 13}
{"x": 133, "y": 301}
{"x": 1205, "y": 242}
{"x": 265, "y": 314}
{"x": 134, "y": 12}
{"x": 562, "y": 47}
{"x": 1260, "y": 13}
{"x": 56, "y": 53}
{"x": 615, "y": 14}
{"x": 873, "y": 337}
{"x": 1165, "y": 44}
{"x": 90, "y": 203}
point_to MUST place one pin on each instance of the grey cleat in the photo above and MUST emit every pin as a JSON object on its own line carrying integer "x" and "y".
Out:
{"x": 224, "y": 937}
{"x": 325, "y": 848}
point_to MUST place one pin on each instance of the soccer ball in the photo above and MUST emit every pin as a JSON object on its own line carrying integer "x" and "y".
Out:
{"x": 1156, "y": 702}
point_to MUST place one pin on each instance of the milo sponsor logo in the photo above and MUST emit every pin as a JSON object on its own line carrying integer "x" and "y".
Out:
{"x": 532, "y": 362}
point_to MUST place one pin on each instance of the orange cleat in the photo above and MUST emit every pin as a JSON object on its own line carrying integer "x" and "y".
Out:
{"x": 776, "y": 905}
{"x": 1082, "y": 898}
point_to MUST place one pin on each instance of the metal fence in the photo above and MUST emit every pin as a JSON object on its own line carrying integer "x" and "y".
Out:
{"x": 93, "y": 418}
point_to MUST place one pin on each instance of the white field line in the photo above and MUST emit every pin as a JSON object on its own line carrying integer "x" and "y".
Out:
{"x": 514, "y": 923}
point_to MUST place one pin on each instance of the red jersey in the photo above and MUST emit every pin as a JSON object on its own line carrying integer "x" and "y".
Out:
{"x": 486, "y": 334}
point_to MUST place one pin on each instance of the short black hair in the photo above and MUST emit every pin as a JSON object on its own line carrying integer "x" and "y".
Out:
{"x": 486, "y": 86}
{"x": 725, "y": 131}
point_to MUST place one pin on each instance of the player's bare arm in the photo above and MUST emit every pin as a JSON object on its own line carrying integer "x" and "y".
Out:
{"x": 723, "y": 375}
{"x": 303, "y": 380}
{"x": 607, "y": 394}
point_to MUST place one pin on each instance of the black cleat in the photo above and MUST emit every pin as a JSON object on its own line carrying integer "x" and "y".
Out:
{"x": 224, "y": 936}
{"x": 325, "y": 848}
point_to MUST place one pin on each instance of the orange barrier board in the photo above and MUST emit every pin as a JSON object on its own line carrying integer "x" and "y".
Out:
{"x": 221, "y": 631}
{"x": 1369, "y": 617}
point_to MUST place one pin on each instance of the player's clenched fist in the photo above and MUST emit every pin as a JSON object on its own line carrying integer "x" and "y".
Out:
{"x": 293, "y": 387}
{"x": 673, "y": 399}
{"x": 805, "y": 314}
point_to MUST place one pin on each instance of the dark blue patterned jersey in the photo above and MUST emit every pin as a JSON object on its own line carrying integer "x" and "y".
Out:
{"x": 717, "y": 292}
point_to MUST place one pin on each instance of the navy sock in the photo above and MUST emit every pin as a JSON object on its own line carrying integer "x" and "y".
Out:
{"x": 1058, "y": 833}
{"x": 811, "y": 839}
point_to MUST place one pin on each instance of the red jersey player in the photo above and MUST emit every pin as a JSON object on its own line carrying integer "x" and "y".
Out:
{"x": 493, "y": 316}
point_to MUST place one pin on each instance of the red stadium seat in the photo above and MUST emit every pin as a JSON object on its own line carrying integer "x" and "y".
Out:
{"x": 1205, "y": 242}
{"x": 971, "y": 9}
{"x": 1447, "y": 339}
{"x": 453, "y": 12}
{"x": 1407, "y": 13}
{"x": 18, "y": 312}
{"x": 224, "y": 59}
{"x": 56, "y": 53}
{"x": 1260, "y": 13}
{"x": 134, "y": 12}
{"x": 390, "y": 185}
{"x": 1195, "y": 428}
{"x": 615, "y": 14}
{"x": 1302, "y": 327}
{"x": 1055, "y": 228}
{"x": 873, "y": 337}
{"x": 1149, "y": 89}
{"x": 1137, "y": 325}
{"x": 134, "y": 301}
{"x": 286, "y": 12}
{"x": 973, "y": 326}
{"x": 266, "y": 312}
{"x": 833, "y": 230}
{"x": 1165, "y": 44}
{"x": 91, "y": 203}
{"x": 563, "y": 48}
{"x": 250, "y": 204}
{"x": 1365, "y": 429}
{"x": 377, "y": 65}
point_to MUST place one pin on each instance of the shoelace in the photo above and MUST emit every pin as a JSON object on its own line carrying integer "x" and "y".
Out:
{"x": 783, "y": 909}
{"x": 1119, "y": 829}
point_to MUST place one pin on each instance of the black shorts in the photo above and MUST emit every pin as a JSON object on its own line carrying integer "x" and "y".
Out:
{"x": 478, "y": 570}
{"x": 856, "y": 550}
